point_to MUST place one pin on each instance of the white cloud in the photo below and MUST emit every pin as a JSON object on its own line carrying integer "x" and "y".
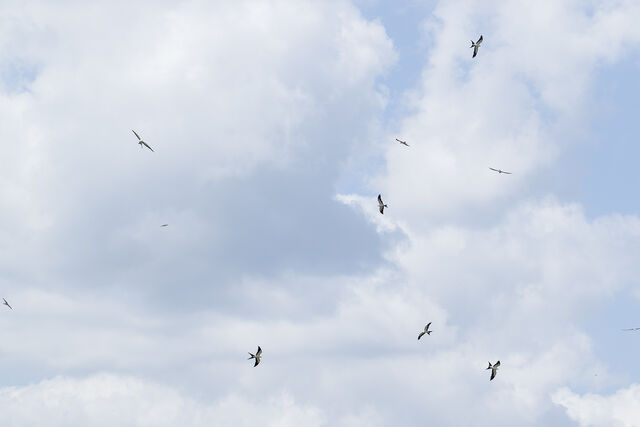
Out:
{"x": 618, "y": 409}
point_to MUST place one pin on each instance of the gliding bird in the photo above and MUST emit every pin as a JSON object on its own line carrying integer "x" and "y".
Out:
{"x": 494, "y": 369}
{"x": 6, "y": 303}
{"x": 381, "y": 205}
{"x": 140, "y": 141}
{"x": 402, "y": 142}
{"x": 256, "y": 356}
{"x": 426, "y": 331}
{"x": 475, "y": 46}
{"x": 500, "y": 171}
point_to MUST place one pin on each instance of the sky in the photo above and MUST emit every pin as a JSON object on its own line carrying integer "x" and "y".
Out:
{"x": 273, "y": 125}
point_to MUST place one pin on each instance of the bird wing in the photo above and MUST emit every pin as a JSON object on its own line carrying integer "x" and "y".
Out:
{"x": 479, "y": 40}
{"x": 475, "y": 51}
{"x": 146, "y": 145}
{"x": 493, "y": 374}
{"x": 421, "y": 334}
{"x": 381, "y": 207}
{"x": 138, "y": 136}
{"x": 508, "y": 173}
{"x": 497, "y": 364}
{"x": 496, "y": 170}
{"x": 426, "y": 328}
{"x": 380, "y": 200}
{"x": 257, "y": 361}
{"x": 259, "y": 352}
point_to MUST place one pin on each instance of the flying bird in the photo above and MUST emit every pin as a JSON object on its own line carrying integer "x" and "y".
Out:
{"x": 164, "y": 225}
{"x": 494, "y": 369}
{"x": 500, "y": 171}
{"x": 475, "y": 46}
{"x": 256, "y": 356}
{"x": 6, "y": 303}
{"x": 381, "y": 205}
{"x": 632, "y": 329}
{"x": 402, "y": 142}
{"x": 140, "y": 141}
{"x": 426, "y": 331}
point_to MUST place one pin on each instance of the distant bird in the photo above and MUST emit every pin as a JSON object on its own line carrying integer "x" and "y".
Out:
{"x": 475, "y": 46}
{"x": 140, "y": 141}
{"x": 500, "y": 171}
{"x": 494, "y": 369}
{"x": 402, "y": 142}
{"x": 164, "y": 225}
{"x": 256, "y": 356}
{"x": 381, "y": 205}
{"x": 6, "y": 303}
{"x": 632, "y": 329}
{"x": 426, "y": 331}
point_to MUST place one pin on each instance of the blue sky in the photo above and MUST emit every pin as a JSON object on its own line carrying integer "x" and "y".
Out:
{"x": 273, "y": 125}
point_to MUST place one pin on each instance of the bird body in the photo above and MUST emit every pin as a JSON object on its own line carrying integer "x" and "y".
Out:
{"x": 6, "y": 303}
{"x": 402, "y": 142}
{"x": 164, "y": 225}
{"x": 475, "y": 46}
{"x": 494, "y": 369}
{"x": 256, "y": 356}
{"x": 426, "y": 331}
{"x": 140, "y": 141}
{"x": 381, "y": 204}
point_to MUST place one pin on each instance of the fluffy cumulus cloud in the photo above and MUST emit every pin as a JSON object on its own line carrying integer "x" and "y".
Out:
{"x": 256, "y": 111}
{"x": 618, "y": 409}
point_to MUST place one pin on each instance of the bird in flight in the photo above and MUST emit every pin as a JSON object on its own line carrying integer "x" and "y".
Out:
{"x": 475, "y": 46}
{"x": 402, "y": 142}
{"x": 164, "y": 225}
{"x": 632, "y": 329}
{"x": 426, "y": 331}
{"x": 6, "y": 303}
{"x": 256, "y": 356}
{"x": 500, "y": 171}
{"x": 140, "y": 141}
{"x": 381, "y": 205}
{"x": 494, "y": 369}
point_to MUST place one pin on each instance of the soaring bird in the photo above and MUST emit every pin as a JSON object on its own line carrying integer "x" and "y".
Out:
{"x": 381, "y": 205}
{"x": 632, "y": 329}
{"x": 6, "y": 303}
{"x": 256, "y": 356}
{"x": 402, "y": 142}
{"x": 164, "y": 225}
{"x": 426, "y": 331}
{"x": 494, "y": 369}
{"x": 500, "y": 171}
{"x": 140, "y": 141}
{"x": 475, "y": 46}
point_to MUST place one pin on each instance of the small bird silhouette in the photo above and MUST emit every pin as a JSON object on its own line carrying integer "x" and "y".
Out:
{"x": 500, "y": 171}
{"x": 164, "y": 225}
{"x": 426, "y": 331}
{"x": 494, "y": 369}
{"x": 402, "y": 142}
{"x": 140, "y": 141}
{"x": 256, "y": 356}
{"x": 6, "y": 303}
{"x": 381, "y": 205}
{"x": 476, "y": 46}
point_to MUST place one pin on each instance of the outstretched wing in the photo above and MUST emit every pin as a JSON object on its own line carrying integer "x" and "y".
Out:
{"x": 508, "y": 173}
{"x": 259, "y": 352}
{"x": 495, "y": 170}
{"x": 497, "y": 364}
{"x": 137, "y": 136}
{"x": 257, "y": 361}
{"x": 380, "y": 200}
{"x": 475, "y": 51}
{"x": 426, "y": 328}
{"x": 146, "y": 145}
{"x": 493, "y": 374}
{"x": 479, "y": 40}
{"x": 421, "y": 334}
